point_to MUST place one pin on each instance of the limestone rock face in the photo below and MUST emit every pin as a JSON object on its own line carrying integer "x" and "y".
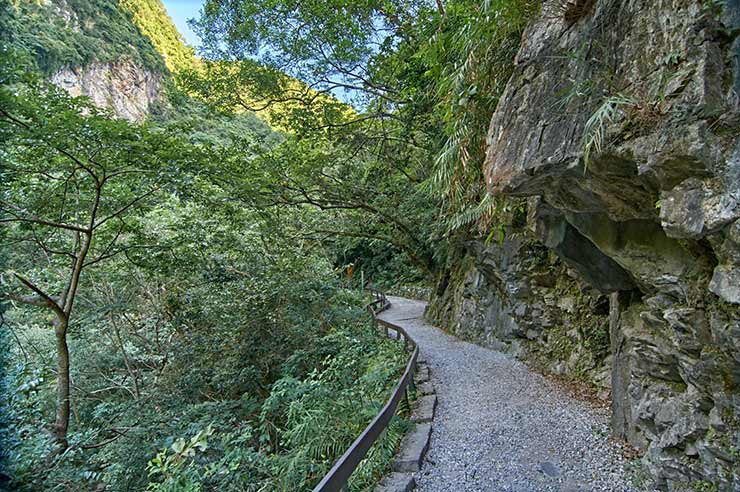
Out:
{"x": 650, "y": 221}
{"x": 121, "y": 86}
{"x": 520, "y": 297}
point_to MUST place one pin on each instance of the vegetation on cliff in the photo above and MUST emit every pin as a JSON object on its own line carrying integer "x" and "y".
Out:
{"x": 424, "y": 77}
{"x": 75, "y": 33}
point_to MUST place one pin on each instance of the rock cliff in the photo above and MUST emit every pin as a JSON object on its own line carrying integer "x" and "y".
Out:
{"x": 620, "y": 125}
{"x": 99, "y": 48}
{"x": 121, "y": 86}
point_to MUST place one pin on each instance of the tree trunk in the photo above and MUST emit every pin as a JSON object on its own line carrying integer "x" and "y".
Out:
{"x": 441, "y": 8}
{"x": 61, "y": 423}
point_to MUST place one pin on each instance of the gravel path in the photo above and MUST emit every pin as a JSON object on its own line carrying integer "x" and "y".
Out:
{"x": 500, "y": 427}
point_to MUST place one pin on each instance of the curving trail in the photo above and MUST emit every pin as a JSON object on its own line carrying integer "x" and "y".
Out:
{"x": 501, "y": 427}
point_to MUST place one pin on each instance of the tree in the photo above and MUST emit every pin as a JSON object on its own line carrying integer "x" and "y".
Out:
{"x": 330, "y": 45}
{"x": 363, "y": 166}
{"x": 74, "y": 179}
{"x": 424, "y": 77}
{"x": 358, "y": 197}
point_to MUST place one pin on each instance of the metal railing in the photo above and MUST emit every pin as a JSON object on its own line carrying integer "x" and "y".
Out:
{"x": 336, "y": 479}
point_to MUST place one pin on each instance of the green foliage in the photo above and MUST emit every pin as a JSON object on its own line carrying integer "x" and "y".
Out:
{"x": 639, "y": 477}
{"x": 594, "y": 133}
{"x": 470, "y": 59}
{"x": 208, "y": 333}
{"x": 713, "y": 7}
{"x": 323, "y": 400}
{"x": 74, "y": 33}
{"x": 425, "y": 82}
{"x": 340, "y": 200}
{"x": 173, "y": 467}
{"x": 153, "y": 22}
{"x": 704, "y": 486}
{"x": 317, "y": 41}
{"x": 193, "y": 120}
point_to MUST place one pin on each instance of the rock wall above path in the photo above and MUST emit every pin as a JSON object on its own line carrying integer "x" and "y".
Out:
{"x": 659, "y": 203}
{"x": 670, "y": 166}
{"x": 642, "y": 209}
{"x": 519, "y": 297}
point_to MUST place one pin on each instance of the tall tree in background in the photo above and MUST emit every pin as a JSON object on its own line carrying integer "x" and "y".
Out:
{"x": 73, "y": 182}
{"x": 361, "y": 165}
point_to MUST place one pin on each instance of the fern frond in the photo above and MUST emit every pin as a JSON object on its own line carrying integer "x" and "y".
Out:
{"x": 594, "y": 133}
{"x": 486, "y": 207}
{"x": 446, "y": 164}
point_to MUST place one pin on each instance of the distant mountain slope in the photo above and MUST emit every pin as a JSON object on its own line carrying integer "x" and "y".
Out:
{"x": 153, "y": 21}
{"x": 120, "y": 53}
{"x": 75, "y": 33}
{"x": 94, "y": 48}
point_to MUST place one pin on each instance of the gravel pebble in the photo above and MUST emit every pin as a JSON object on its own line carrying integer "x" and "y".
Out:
{"x": 501, "y": 427}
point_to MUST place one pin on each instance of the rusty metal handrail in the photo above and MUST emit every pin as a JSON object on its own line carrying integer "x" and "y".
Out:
{"x": 337, "y": 478}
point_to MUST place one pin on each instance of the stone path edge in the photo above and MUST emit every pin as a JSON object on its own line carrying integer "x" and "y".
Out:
{"x": 415, "y": 444}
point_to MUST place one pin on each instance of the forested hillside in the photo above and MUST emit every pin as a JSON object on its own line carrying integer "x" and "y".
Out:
{"x": 76, "y": 33}
{"x": 164, "y": 326}
{"x": 186, "y": 239}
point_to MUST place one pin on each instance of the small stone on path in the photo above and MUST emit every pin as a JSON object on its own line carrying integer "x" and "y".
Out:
{"x": 549, "y": 469}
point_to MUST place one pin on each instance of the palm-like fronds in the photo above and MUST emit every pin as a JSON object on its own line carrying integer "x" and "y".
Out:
{"x": 594, "y": 133}
{"x": 377, "y": 461}
{"x": 475, "y": 50}
{"x": 473, "y": 214}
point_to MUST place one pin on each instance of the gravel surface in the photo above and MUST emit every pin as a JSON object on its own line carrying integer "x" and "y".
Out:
{"x": 501, "y": 427}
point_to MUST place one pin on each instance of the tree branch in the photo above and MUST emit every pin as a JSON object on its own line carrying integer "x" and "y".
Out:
{"x": 43, "y": 299}
{"x": 441, "y": 8}
{"x": 40, "y": 221}
{"x": 124, "y": 208}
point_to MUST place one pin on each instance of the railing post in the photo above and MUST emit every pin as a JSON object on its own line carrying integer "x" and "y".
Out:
{"x": 406, "y": 396}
